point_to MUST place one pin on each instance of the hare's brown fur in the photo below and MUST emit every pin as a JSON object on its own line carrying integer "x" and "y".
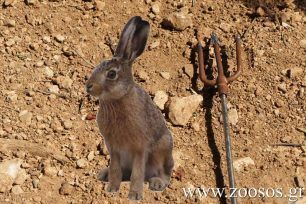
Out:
{"x": 135, "y": 133}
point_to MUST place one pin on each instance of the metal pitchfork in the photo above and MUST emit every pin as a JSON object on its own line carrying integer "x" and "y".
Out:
{"x": 221, "y": 81}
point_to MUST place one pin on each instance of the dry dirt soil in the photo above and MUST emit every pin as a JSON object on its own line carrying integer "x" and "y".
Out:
{"x": 47, "y": 52}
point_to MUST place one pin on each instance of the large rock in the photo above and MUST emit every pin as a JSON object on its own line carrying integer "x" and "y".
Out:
{"x": 181, "y": 109}
{"x": 178, "y": 20}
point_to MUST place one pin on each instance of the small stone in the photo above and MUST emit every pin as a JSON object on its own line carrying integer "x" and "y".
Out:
{"x": 239, "y": 164}
{"x": 59, "y": 38}
{"x": 30, "y": 2}
{"x": 34, "y": 46}
{"x": 233, "y": 116}
{"x": 9, "y": 3}
{"x": 178, "y": 20}
{"x": 9, "y": 42}
{"x": 11, "y": 96}
{"x": 82, "y": 163}
{"x": 6, "y": 183}
{"x": 154, "y": 45}
{"x": 53, "y": 89}
{"x": 303, "y": 43}
{"x": 66, "y": 189}
{"x": 188, "y": 70}
{"x": 285, "y": 139}
{"x": 155, "y": 8}
{"x": 35, "y": 183}
{"x": 60, "y": 172}
{"x": 160, "y": 99}
{"x": 17, "y": 190}
{"x": 196, "y": 126}
{"x": 67, "y": 124}
{"x": 40, "y": 63}
{"x": 64, "y": 82}
{"x": 282, "y": 87}
{"x": 49, "y": 72}
{"x": 295, "y": 72}
{"x": 91, "y": 155}
{"x": 9, "y": 170}
{"x": 46, "y": 39}
{"x": 50, "y": 171}
{"x": 10, "y": 23}
{"x": 276, "y": 112}
{"x": 142, "y": 75}
{"x": 181, "y": 109}
{"x": 279, "y": 103}
{"x": 25, "y": 116}
{"x": 148, "y": 1}
{"x": 99, "y": 5}
{"x": 165, "y": 75}
{"x": 260, "y": 11}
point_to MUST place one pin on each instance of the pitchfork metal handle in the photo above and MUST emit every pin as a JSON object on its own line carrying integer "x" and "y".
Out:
{"x": 221, "y": 80}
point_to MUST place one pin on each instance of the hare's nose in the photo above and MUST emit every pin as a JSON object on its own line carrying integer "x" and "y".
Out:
{"x": 89, "y": 87}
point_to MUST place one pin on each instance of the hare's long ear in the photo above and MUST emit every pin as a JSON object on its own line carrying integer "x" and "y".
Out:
{"x": 133, "y": 39}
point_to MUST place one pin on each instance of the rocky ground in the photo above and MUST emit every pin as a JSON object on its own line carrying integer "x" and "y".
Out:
{"x": 50, "y": 146}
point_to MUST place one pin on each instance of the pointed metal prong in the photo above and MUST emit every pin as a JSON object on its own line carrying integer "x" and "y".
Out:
{"x": 214, "y": 38}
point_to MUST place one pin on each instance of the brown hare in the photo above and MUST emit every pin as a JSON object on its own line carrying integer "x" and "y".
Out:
{"x": 136, "y": 136}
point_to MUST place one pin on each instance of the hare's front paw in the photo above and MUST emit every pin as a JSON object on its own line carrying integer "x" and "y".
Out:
{"x": 135, "y": 195}
{"x": 156, "y": 184}
{"x": 103, "y": 175}
{"x": 112, "y": 188}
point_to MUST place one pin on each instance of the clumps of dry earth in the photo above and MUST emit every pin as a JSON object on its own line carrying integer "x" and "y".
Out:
{"x": 50, "y": 147}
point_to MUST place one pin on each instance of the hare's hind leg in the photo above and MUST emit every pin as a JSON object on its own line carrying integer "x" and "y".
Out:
{"x": 161, "y": 162}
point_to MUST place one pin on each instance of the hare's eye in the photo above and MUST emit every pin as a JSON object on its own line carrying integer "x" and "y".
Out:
{"x": 111, "y": 74}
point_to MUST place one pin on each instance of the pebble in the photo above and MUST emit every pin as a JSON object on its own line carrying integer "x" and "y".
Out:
{"x": 282, "y": 87}
{"x": 188, "y": 70}
{"x": 50, "y": 170}
{"x": 178, "y": 20}
{"x": 40, "y": 63}
{"x": 160, "y": 99}
{"x": 30, "y": 2}
{"x": 285, "y": 139}
{"x": 279, "y": 103}
{"x": 181, "y": 109}
{"x": 232, "y": 116}
{"x": 17, "y": 190}
{"x": 295, "y": 72}
{"x": 25, "y": 116}
{"x": 10, "y": 23}
{"x": 35, "y": 183}
{"x": 59, "y": 38}
{"x": 46, "y": 39}
{"x": 155, "y": 8}
{"x": 67, "y": 124}
{"x": 260, "y": 11}
{"x": 142, "y": 75}
{"x": 303, "y": 43}
{"x": 239, "y": 164}
{"x": 64, "y": 82}
{"x": 49, "y": 72}
{"x": 154, "y": 45}
{"x": 9, "y": 42}
{"x": 99, "y": 5}
{"x": 165, "y": 75}
{"x": 91, "y": 156}
{"x": 9, "y": 2}
{"x": 53, "y": 89}
{"x": 11, "y": 96}
{"x": 81, "y": 163}
{"x": 66, "y": 189}
{"x": 196, "y": 126}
